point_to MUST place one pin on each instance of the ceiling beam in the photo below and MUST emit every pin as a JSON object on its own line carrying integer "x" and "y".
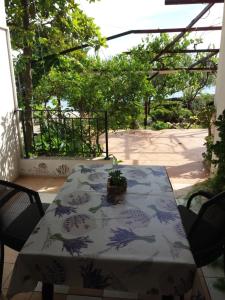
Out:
{"x": 175, "y": 2}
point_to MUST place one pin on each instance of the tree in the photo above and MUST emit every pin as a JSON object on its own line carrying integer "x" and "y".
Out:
{"x": 41, "y": 28}
{"x": 119, "y": 84}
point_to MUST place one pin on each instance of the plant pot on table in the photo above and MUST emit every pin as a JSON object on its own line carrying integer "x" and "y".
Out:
{"x": 115, "y": 193}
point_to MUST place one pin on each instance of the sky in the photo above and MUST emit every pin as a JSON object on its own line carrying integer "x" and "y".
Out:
{"x": 116, "y": 16}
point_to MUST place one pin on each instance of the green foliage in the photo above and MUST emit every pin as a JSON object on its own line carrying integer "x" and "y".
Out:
{"x": 89, "y": 84}
{"x": 158, "y": 125}
{"x": 43, "y": 29}
{"x": 116, "y": 178}
{"x": 165, "y": 115}
{"x": 65, "y": 136}
{"x": 205, "y": 115}
{"x": 172, "y": 114}
{"x": 184, "y": 114}
{"x": 220, "y": 283}
{"x": 119, "y": 84}
{"x": 219, "y": 147}
{"x": 209, "y": 149}
{"x": 217, "y": 183}
{"x": 214, "y": 185}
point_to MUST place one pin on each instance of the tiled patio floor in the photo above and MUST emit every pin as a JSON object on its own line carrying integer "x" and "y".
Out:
{"x": 180, "y": 151}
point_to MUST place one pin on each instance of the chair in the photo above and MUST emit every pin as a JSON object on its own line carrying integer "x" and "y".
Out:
{"x": 205, "y": 230}
{"x": 20, "y": 211}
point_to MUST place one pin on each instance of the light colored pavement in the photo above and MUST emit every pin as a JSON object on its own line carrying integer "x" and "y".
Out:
{"x": 179, "y": 150}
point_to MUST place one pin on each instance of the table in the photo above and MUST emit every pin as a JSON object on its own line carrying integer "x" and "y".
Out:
{"x": 84, "y": 241}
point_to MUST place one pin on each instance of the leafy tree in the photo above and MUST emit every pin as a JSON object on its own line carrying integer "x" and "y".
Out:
{"x": 41, "y": 28}
{"x": 190, "y": 83}
{"x": 119, "y": 84}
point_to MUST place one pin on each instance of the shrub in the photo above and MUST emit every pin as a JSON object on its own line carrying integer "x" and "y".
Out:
{"x": 158, "y": 125}
{"x": 207, "y": 155}
{"x": 165, "y": 115}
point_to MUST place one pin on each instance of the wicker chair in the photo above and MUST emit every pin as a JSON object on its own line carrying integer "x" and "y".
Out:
{"x": 20, "y": 211}
{"x": 205, "y": 230}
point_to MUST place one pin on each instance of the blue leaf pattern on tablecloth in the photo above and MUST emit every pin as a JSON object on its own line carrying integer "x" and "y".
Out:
{"x": 51, "y": 272}
{"x": 79, "y": 198}
{"x": 98, "y": 187}
{"x": 97, "y": 176}
{"x": 135, "y": 217}
{"x": 136, "y": 173}
{"x": 104, "y": 203}
{"x": 169, "y": 205}
{"x": 61, "y": 210}
{"x": 79, "y": 223}
{"x": 180, "y": 230}
{"x": 85, "y": 170}
{"x": 93, "y": 277}
{"x": 143, "y": 267}
{"x": 131, "y": 183}
{"x": 73, "y": 245}
{"x": 176, "y": 247}
{"x": 48, "y": 241}
{"x": 158, "y": 173}
{"x": 122, "y": 237}
{"x": 164, "y": 216}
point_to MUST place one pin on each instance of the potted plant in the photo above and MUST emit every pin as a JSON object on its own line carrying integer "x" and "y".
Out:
{"x": 116, "y": 185}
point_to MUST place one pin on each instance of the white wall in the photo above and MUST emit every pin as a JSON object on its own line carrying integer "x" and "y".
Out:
{"x": 9, "y": 145}
{"x": 220, "y": 86}
{"x": 2, "y": 14}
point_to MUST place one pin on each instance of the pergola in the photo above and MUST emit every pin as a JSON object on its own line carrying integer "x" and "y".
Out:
{"x": 172, "y": 2}
{"x": 169, "y": 48}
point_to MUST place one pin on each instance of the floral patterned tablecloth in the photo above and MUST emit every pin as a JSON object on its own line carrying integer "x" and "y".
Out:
{"x": 84, "y": 241}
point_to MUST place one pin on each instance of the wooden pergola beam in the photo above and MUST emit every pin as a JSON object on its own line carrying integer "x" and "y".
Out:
{"x": 203, "y": 59}
{"x": 175, "y": 2}
{"x": 184, "y": 51}
{"x": 140, "y": 31}
{"x": 156, "y": 72}
{"x": 170, "y": 71}
{"x": 163, "y": 30}
{"x": 180, "y": 35}
{"x": 193, "y": 51}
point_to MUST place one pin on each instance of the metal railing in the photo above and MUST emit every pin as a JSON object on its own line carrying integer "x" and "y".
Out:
{"x": 65, "y": 133}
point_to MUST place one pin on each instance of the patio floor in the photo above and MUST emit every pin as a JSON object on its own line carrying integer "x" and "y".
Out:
{"x": 178, "y": 150}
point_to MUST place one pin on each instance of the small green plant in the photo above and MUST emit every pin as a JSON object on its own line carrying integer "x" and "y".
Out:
{"x": 207, "y": 155}
{"x": 219, "y": 147}
{"x": 158, "y": 125}
{"x": 216, "y": 184}
{"x": 116, "y": 178}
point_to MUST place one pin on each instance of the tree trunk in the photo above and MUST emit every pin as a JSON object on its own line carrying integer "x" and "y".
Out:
{"x": 146, "y": 113}
{"x": 27, "y": 76}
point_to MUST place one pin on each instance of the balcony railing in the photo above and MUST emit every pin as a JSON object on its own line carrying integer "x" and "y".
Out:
{"x": 65, "y": 133}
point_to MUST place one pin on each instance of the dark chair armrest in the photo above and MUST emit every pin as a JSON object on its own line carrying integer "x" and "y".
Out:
{"x": 205, "y": 194}
{"x": 17, "y": 187}
{"x": 33, "y": 195}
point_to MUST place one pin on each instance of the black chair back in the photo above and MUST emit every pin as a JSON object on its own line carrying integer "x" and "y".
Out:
{"x": 207, "y": 233}
{"x": 14, "y": 200}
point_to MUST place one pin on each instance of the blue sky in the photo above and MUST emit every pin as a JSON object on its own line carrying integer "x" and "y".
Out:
{"x": 115, "y": 16}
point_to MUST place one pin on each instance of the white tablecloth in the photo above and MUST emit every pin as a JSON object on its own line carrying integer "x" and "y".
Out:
{"x": 84, "y": 241}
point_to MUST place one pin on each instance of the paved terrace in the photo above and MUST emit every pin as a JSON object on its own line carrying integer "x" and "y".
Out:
{"x": 179, "y": 150}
